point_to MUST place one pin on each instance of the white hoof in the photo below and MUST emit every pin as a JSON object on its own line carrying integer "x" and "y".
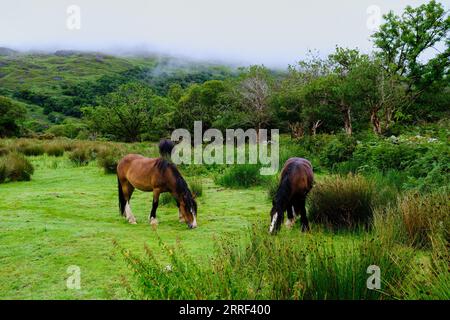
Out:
{"x": 153, "y": 221}
{"x": 290, "y": 223}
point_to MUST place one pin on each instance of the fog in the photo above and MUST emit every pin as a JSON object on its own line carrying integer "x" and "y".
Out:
{"x": 274, "y": 33}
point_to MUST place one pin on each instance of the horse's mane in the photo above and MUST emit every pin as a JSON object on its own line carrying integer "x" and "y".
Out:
{"x": 181, "y": 186}
{"x": 283, "y": 192}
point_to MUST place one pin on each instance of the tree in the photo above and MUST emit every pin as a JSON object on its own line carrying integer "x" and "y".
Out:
{"x": 403, "y": 39}
{"x": 201, "y": 102}
{"x": 11, "y": 116}
{"x": 254, "y": 88}
{"x": 123, "y": 114}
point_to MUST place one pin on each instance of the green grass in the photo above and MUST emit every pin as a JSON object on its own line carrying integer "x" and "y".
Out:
{"x": 68, "y": 215}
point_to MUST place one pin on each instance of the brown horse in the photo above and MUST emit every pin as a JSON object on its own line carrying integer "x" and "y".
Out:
{"x": 158, "y": 175}
{"x": 296, "y": 181}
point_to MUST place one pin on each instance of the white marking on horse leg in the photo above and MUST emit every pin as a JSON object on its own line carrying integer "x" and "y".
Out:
{"x": 153, "y": 221}
{"x": 274, "y": 220}
{"x": 293, "y": 212}
{"x": 129, "y": 215}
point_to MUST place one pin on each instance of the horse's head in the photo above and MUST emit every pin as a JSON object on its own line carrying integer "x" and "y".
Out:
{"x": 188, "y": 209}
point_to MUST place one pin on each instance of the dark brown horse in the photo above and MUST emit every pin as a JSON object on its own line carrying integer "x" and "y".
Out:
{"x": 158, "y": 175}
{"x": 296, "y": 181}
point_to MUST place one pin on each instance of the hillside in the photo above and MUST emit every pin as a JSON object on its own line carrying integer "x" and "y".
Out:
{"x": 60, "y": 83}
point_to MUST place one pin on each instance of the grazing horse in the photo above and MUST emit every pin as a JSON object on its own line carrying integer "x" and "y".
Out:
{"x": 296, "y": 181}
{"x": 158, "y": 175}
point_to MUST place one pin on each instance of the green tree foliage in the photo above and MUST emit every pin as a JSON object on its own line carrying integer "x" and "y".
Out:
{"x": 11, "y": 116}
{"x": 402, "y": 39}
{"x": 124, "y": 114}
{"x": 201, "y": 102}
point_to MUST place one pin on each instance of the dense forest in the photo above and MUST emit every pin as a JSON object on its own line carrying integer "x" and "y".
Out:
{"x": 93, "y": 95}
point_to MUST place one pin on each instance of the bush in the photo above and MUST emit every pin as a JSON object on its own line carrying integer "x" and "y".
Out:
{"x": 342, "y": 201}
{"x": 267, "y": 267}
{"x": 3, "y": 151}
{"x": 337, "y": 150}
{"x": 167, "y": 198}
{"x": 30, "y": 148}
{"x": 385, "y": 155}
{"x": 54, "y": 149}
{"x": 241, "y": 176}
{"x": 417, "y": 219}
{"x": 108, "y": 158}
{"x": 196, "y": 187}
{"x": 80, "y": 156}
{"x": 15, "y": 167}
{"x": 272, "y": 186}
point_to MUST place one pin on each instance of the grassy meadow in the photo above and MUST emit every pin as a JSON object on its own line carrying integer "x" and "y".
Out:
{"x": 64, "y": 212}
{"x": 68, "y": 215}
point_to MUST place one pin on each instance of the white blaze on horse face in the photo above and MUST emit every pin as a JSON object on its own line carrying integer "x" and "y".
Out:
{"x": 194, "y": 223}
{"x": 274, "y": 220}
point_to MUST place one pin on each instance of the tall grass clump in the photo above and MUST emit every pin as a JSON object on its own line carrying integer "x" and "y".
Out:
{"x": 30, "y": 148}
{"x": 272, "y": 186}
{"x": 54, "y": 149}
{"x": 196, "y": 187}
{"x": 416, "y": 219}
{"x": 80, "y": 156}
{"x": 167, "y": 199}
{"x": 342, "y": 201}
{"x": 266, "y": 267}
{"x": 15, "y": 167}
{"x": 240, "y": 176}
{"x": 108, "y": 158}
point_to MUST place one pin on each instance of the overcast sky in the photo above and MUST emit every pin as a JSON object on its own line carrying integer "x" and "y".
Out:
{"x": 275, "y": 33}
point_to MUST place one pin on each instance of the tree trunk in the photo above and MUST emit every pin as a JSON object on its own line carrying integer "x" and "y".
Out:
{"x": 348, "y": 121}
{"x": 316, "y": 125}
{"x": 376, "y": 125}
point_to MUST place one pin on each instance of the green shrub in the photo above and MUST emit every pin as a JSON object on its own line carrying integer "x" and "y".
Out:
{"x": 15, "y": 167}
{"x": 108, "y": 158}
{"x": 342, "y": 201}
{"x": 3, "y": 175}
{"x": 54, "y": 149}
{"x": 337, "y": 150}
{"x": 267, "y": 267}
{"x": 167, "y": 198}
{"x": 416, "y": 219}
{"x": 241, "y": 176}
{"x": 80, "y": 156}
{"x": 272, "y": 186}
{"x": 196, "y": 187}
{"x": 434, "y": 283}
{"x": 4, "y": 150}
{"x": 30, "y": 148}
{"x": 385, "y": 155}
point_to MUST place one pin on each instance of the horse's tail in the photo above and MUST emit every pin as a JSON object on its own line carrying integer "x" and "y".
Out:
{"x": 122, "y": 202}
{"x": 165, "y": 148}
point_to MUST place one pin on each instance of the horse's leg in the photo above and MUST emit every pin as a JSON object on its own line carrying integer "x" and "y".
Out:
{"x": 301, "y": 208}
{"x": 127, "y": 193}
{"x": 290, "y": 214}
{"x": 152, "y": 216}
{"x": 180, "y": 215}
